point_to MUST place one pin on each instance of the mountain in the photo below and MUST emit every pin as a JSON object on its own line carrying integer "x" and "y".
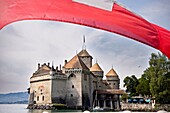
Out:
{"x": 14, "y": 98}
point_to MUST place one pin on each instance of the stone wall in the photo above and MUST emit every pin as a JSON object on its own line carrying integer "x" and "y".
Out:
{"x": 113, "y": 82}
{"x": 87, "y": 89}
{"x": 87, "y": 61}
{"x": 98, "y": 73}
{"x": 41, "y": 87}
{"x": 128, "y": 106}
{"x": 165, "y": 107}
{"x": 59, "y": 90}
{"x": 74, "y": 89}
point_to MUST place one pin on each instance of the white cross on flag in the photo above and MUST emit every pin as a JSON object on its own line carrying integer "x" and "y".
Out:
{"x": 103, "y": 4}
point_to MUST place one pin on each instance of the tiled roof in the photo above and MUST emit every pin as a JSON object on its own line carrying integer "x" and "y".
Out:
{"x": 75, "y": 62}
{"x": 44, "y": 69}
{"x": 84, "y": 53}
{"x": 96, "y": 67}
{"x": 112, "y": 72}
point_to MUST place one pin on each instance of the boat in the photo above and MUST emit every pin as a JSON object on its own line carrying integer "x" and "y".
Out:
{"x": 96, "y": 108}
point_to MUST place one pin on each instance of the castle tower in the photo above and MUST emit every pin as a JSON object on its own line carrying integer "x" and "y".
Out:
{"x": 78, "y": 84}
{"x": 113, "y": 79}
{"x": 96, "y": 70}
{"x": 85, "y": 56}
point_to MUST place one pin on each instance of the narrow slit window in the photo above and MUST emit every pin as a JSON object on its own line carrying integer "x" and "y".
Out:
{"x": 42, "y": 98}
{"x": 37, "y": 98}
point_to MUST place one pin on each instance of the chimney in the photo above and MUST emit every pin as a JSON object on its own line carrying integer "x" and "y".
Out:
{"x": 38, "y": 65}
{"x": 65, "y": 62}
{"x": 60, "y": 67}
{"x": 57, "y": 68}
{"x": 48, "y": 64}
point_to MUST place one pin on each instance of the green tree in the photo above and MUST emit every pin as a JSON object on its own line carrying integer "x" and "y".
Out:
{"x": 163, "y": 96}
{"x": 124, "y": 97}
{"x": 154, "y": 82}
{"x": 159, "y": 72}
{"x": 143, "y": 86}
{"x": 131, "y": 83}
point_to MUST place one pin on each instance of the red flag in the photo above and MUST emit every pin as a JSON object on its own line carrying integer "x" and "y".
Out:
{"x": 119, "y": 20}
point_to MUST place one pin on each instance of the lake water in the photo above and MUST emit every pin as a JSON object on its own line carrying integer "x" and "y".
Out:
{"x": 21, "y": 108}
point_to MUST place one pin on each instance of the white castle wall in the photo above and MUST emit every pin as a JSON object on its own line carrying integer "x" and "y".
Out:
{"x": 40, "y": 87}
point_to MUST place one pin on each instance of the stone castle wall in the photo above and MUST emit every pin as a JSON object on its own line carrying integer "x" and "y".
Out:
{"x": 87, "y": 82}
{"x": 113, "y": 82}
{"x": 74, "y": 89}
{"x": 59, "y": 91}
{"x": 87, "y": 61}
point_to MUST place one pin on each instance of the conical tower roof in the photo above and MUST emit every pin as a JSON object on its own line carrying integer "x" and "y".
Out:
{"x": 96, "y": 67}
{"x": 112, "y": 73}
{"x": 75, "y": 62}
{"x": 84, "y": 53}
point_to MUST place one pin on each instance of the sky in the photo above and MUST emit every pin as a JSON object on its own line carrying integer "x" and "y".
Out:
{"x": 24, "y": 44}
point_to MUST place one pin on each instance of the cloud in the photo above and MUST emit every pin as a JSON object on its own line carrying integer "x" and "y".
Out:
{"x": 157, "y": 12}
{"x": 24, "y": 44}
{"x": 127, "y": 57}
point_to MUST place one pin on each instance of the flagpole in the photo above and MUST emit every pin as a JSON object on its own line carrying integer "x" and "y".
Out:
{"x": 84, "y": 41}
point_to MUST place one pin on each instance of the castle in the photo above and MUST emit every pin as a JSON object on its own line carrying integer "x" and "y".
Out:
{"x": 77, "y": 84}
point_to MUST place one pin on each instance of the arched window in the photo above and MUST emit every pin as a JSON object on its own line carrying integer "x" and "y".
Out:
{"x": 71, "y": 75}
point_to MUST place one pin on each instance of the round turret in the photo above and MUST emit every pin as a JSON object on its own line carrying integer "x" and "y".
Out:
{"x": 96, "y": 70}
{"x": 113, "y": 79}
{"x": 86, "y": 58}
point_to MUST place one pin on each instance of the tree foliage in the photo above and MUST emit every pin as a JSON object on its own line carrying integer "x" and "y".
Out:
{"x": 155, "y": 80}
{"x": 130, "y": 83}
{"x": 159, "y": 72}
{"x": 143, "y": 86}
{"x": 124, "y": 97}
